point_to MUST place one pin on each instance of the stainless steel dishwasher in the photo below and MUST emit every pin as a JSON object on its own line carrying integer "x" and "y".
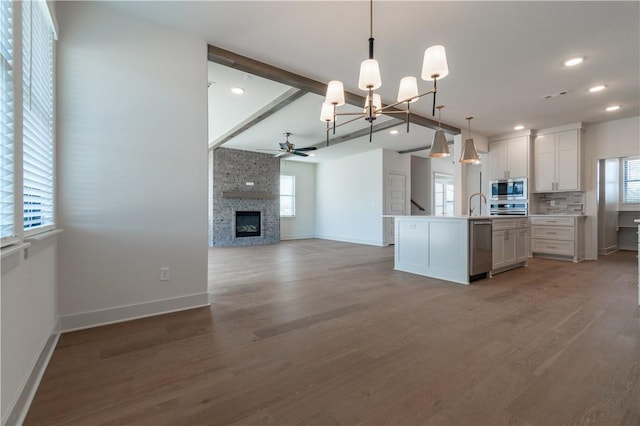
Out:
{"x": 480, "y": 258}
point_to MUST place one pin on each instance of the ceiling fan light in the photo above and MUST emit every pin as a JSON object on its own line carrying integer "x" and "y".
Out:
{"x": 439, "y": 147}
{"x": 435, "y": 63}
{"x": 326, "y": 113}
{"x": 408, "y": 91}
{"x": 377, "y": 104}
{"x": 369, "y": 75}
{"x": 469, "y": 153}
{"x": 335, "y": 93}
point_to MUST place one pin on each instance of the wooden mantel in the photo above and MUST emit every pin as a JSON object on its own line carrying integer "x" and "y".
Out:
{"x": 249, "y": 194}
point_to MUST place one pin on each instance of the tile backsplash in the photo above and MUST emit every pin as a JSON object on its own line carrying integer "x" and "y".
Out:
{"x": 559, "y": 202}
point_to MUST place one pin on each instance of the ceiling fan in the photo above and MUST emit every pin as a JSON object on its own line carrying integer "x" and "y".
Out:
{"x": 287, "y": 148}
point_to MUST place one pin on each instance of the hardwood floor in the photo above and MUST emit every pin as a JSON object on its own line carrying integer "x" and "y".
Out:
{"x": 327, "y": 333}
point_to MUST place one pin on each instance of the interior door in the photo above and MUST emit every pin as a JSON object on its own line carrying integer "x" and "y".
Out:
{"x": 395, "y": 202}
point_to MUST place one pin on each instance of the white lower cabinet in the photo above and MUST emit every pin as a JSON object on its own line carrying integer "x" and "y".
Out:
{"x": 558, "y": 237}
{"x": 509, "y": 244}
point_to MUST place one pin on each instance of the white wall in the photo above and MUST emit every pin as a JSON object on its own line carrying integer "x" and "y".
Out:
{"x": 303, "y": 225}
{"x": 349, "y": 201}
{"x": 29, "y": 323}
{"x": 132, "y": 132}
{"x": 618, "y": 138}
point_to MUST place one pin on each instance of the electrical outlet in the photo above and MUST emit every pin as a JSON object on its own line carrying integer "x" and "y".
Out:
{"x": 552, "y": 203}
{"x": 164, "y": 274}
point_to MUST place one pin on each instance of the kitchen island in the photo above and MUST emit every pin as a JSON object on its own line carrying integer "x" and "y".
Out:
{"x": 438, "y": 246}
{"x": 461, "y": 249}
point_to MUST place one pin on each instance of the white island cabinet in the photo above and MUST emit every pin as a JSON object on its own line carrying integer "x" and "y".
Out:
{"x": 433, "y": 246}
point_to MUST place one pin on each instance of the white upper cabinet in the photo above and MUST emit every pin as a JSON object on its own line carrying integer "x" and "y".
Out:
{"x": 509, "y": 158}
{"x": 556, "y": 161}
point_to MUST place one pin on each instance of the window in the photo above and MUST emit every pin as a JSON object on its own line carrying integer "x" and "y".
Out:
{"x": 37, "y": 117}
{"x": 287, "y": 195}
{"x": 7, "y": 180}
{"x": 27, "y": 120}
{"x": 443, "y": 193}
{"x": 631, "y": 180}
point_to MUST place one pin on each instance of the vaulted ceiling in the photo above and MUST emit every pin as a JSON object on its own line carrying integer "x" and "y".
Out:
{"x": 505, "y": 58}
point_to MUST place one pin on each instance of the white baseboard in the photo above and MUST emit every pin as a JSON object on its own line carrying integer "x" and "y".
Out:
{"x": 131, "y": 312}
{"x": 608, "y": 250}
{"x": 17, "y": 411}
{"x": 378, "y": 243}
{"x": 296, "y": 237}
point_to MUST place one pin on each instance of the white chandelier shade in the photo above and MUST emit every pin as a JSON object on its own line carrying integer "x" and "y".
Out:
{"x": 326, "y": 114}
{"x": 377, "y": 105}
{"x": 369, "y": 75}
{"x": 335, "y": 93}
{"x": 435, "y": 65}
{"x": 408, "y": 91}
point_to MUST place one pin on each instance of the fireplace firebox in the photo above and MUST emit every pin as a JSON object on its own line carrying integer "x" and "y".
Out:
{"x": 247, "y": 224}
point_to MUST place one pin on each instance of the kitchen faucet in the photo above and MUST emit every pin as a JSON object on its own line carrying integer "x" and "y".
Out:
{"x": 482, "y": 197}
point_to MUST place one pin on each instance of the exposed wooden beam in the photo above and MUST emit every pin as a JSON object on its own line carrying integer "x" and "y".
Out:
{"x": 420, "y": 148}
{"x": 261, "y": 69}
{"x": 271, "y": 108}
{"x": 358, "y": 133}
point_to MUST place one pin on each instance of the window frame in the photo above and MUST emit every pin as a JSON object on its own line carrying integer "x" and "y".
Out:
{"x": 18, "y": 29}
{"x": 11, "y": 62}
{"x": 623, "y": 182}
{"x": 292, "y": 195}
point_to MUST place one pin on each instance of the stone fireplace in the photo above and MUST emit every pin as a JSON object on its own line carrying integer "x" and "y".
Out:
{"x": 244, "y": 193}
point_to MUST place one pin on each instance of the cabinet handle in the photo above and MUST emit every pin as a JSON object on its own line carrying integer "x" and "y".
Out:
{"x": 551, "y": 233}
{"x": 552, "y": 247}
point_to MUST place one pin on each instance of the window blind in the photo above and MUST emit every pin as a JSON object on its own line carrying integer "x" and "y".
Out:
{"x": 38, "y": 146}
{"x": 7, "y": 180}
{"x": 631, "y": 180}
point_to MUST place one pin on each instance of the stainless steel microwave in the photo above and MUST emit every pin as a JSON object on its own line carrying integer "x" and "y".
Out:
{"x": 508, "y": 189}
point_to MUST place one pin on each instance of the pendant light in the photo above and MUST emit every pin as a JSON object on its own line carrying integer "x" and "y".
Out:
{"x": 469, "y": 153}
{"x": 439, "y": 147}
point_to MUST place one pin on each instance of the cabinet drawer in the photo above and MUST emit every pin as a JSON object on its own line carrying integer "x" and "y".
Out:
{"x": 522, "y": 223}
{"x": 553, "y": 232}
{"x": 552, "y": 221}
{"x": 552, "y": 247}
{"x": 500, "y": 224}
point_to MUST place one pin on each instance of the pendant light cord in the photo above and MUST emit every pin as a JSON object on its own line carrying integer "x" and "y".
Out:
{"x": 371, "y": 29}
{"x": 371, "y": 19}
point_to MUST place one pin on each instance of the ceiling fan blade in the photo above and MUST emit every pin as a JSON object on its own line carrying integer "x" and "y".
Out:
{"x": 301, "y": 154}
{"x": 311, "y": 148}
{"x": 282, "y": 154}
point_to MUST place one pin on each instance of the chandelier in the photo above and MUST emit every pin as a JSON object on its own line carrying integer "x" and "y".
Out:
{"x": 434, "y": 67}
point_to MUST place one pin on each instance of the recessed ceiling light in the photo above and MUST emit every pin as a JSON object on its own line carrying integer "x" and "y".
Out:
{"x": 518, "y": 127}
{"x": 573, "y": 61}
{"x": 237, "y": 90}
{"x": 394, "y": 131}
{"x": 597, "y": 88}
{"x": 612, "y": 108}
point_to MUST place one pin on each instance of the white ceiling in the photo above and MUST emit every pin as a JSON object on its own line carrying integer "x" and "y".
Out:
{"x": 504, "y": 57}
